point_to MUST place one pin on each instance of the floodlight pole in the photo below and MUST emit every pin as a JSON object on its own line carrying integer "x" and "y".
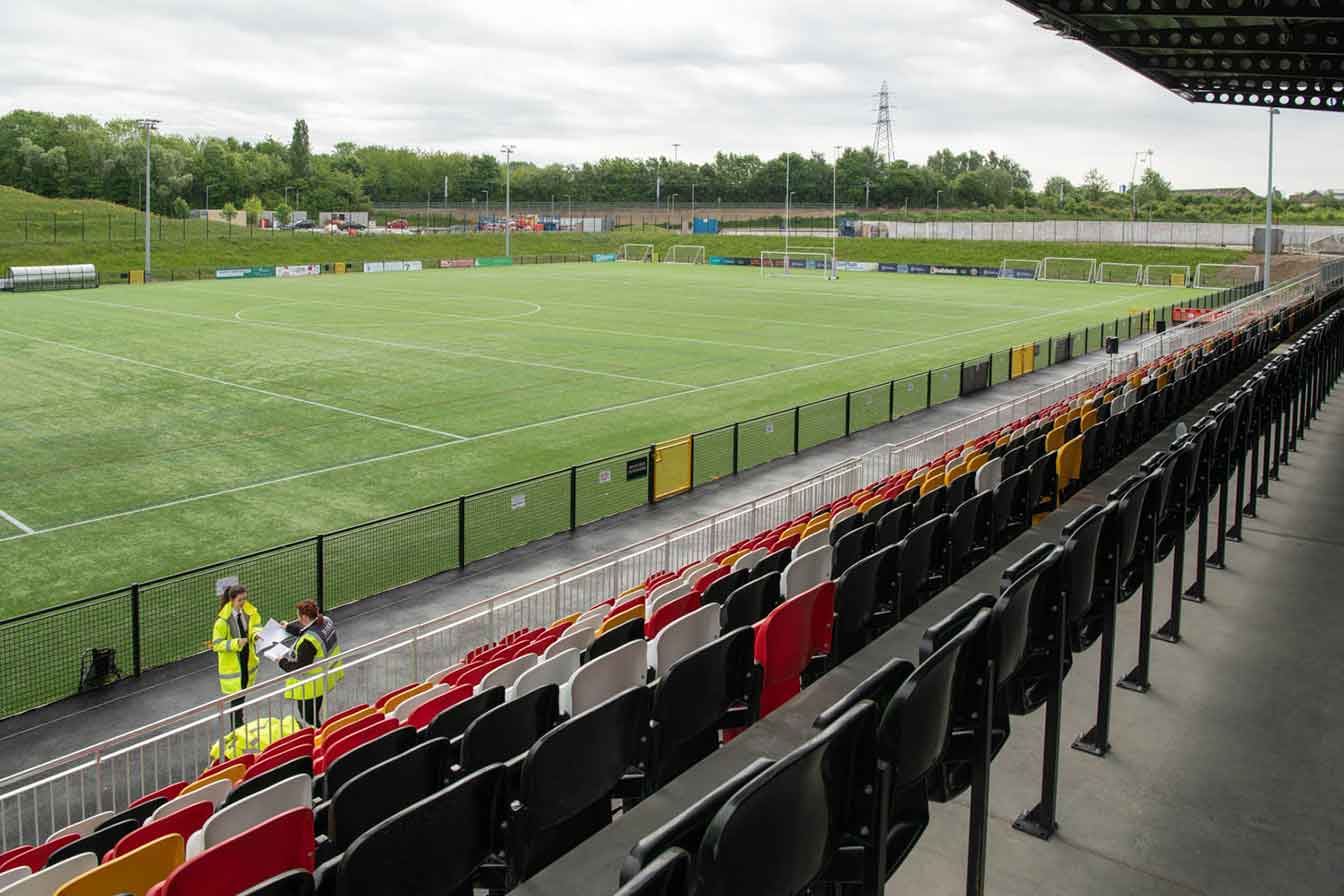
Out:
{"x": 508, "y": 149}
{"x": 1269, "y": 203}
{"x": 207, "y": 209}
{"x": 692, "y": 205}
{"x": 149, "y": 124}
{"x": 835, "y": 223}
{"x": 787, "y": 194}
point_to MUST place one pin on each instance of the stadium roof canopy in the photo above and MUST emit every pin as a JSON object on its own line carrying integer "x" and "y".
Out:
{"x": 1285, "y": 53}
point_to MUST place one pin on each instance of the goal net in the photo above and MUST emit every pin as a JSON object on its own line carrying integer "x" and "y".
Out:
{"x": 636, "y": 252}
{"x": 798, "y": 261}
{"x": 685, "y": 255}
{"x": 1120, "y": 272}
{"x": 1020, "y": 268}
{"x": 1224, "y": 276}
{"x": 1166, "y": 275}
{"x": 1069, "y": 270}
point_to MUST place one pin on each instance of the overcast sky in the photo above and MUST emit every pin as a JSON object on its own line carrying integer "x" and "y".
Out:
{"x": 568, "y": 81}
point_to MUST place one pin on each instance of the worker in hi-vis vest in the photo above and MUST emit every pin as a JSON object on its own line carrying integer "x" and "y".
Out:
{"x": 237, "y": 623}
{"x": 317, "y": 646}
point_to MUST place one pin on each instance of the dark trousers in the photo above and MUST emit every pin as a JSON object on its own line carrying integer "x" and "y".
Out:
{"x": 237, "y": 717}
{"x": 311, "y": 711}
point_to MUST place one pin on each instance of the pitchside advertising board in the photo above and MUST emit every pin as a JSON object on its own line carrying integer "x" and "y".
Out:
{"x": 298, "y": 270}
{"x": 241, "y": 273}
{"x": 605, "y": 256}
{"x": 457, "y": 262}
{"x": 384, "y": 267}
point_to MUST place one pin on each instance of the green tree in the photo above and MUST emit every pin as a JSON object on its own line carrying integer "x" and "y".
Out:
{"x": 180, "y": 208}
{"x": 1056, "y": 190}
{"x": 1152, "y": 188}
{"x": 228, "y": 211}
{"x": 252, "y": 207}
{"x": 1095, "y": 185}
{"x": 283, "y": 211}
{"x": 300, "y": 151}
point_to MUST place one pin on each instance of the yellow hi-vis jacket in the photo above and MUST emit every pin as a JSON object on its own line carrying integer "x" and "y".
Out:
{"x": 322, "y": 635}
{"x": 224, "y": 642}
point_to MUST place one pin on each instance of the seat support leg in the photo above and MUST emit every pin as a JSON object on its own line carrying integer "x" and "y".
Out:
{"x": 1234, "y": 533}
{"x": 978, "y": 843}
{"x": 1039, "y": 821}
{"x": 1171, "y": 629}
{"x": 1097, "y": 742}
{"x": 1196, "y": 590}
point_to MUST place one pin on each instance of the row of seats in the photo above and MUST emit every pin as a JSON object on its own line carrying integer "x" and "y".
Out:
{"x": 522, "y": 750}
{"x": 846, "y": 807}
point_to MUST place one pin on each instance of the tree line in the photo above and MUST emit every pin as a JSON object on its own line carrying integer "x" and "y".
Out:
{"x": 77, "y": 156}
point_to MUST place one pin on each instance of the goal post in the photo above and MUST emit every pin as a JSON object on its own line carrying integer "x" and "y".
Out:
{"x": 1020, "y": 269}
{"x": 798, "y": 261}
{"x": 684, "y": 255}
{"x": 1166, "y": 275}
{"x": 636, "y": 252}
{"x": 1120, "y": 273}
{"x": 1068, "y": 270}
{"x": 1225, "y": 276}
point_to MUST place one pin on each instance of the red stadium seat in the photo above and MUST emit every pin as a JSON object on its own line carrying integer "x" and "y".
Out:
{"x": 185, "y": 821}
{"x": 423, "y": 714}
{"x": 709, "y": 578}
{"x": 473, "y": 674}
{"x": 166, "y": 792}
{"x": 36, "y": 858}
{"x": 393, "y": 693}
{"x": 284, "y": 744}
{"x": 670, "y": 612}
{"x": 351, "y": 739}
{"x": 340, "y": 715}
{"x": 783, "y": 648}
{"x": 625, "y": 605}
{"x": 822, "y": 598}
{"x": 275, "y": 760}
{"x": 273, "y": 847}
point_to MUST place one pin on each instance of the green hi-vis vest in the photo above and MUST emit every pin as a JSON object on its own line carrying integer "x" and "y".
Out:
{"x": 222, "y": 636}
{"x": 322, "y": 635}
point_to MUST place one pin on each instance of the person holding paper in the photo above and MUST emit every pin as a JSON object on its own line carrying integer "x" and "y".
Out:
{"x": 231, "y": 640}
{"x": 316, "y": 645}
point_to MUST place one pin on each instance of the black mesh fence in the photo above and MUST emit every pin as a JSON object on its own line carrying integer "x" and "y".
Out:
{"x": 44, "y": 656}
{"x": 821, "y": 421}
{"x": 513, "y": 515}
{"x": 944, "y": 384}
{"x": 54, "y": 653}
{"x": 375, "y": 557}
{"x": 764, "y": 439}
{"x": 176, "y": 613}
{"x": 611, "y": 486}
{"x": 712, "y": 453}
{"x": 869, "y": 407}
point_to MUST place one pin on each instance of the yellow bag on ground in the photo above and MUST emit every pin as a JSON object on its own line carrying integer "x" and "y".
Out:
{"x": 254, "y": 737}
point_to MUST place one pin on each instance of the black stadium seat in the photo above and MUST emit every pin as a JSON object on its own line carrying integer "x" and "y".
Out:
{"x": 667, "y": 875}
{"x": 508, "y": 730}
{"x": 750, "y": 603}
{"x": 291, "y": 883}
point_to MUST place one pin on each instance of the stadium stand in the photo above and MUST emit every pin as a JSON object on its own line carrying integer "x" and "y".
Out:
{"x": 491, "y": 770}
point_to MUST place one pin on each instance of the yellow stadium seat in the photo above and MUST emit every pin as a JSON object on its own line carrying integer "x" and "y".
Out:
{"x": 405, "y": 695}
{"x": 134, "y": 873}
{"x": 566, "y": 622}
{"x": 619, "y": 619}
{"x": 1068, "y": 466}
{"x": 233, "y": 774}
{"x": 1163, "y": 379}
{"x": 1088, "y": 421}
{"x": 953, "y": 472}
{"x": 791, "y": 531}
{"x": 1054, "y": 438}
{"x": 629, "y": 592}
{"x": 817, "y": 525}
{"x": 732, "y": 558}
{"x": 931, "y": 483}
{"x": 1002, "y": 441}
{"x": 870, "y": 504}
{"x": 976, "y": 462}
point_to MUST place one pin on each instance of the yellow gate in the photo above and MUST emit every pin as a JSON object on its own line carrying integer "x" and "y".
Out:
{"x": 671, "y": 468}
{"x": 137, "y": 278}
{"x": 1024, "y": 359}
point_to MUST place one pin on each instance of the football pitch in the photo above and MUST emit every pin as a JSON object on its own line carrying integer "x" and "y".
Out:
{"x": 148, "y": 430}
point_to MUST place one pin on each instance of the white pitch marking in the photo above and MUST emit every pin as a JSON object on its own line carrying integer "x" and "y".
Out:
{"x": 27, "y": 530}
{"x": 385, "y": 342}
{"x": 220, "y": 382}
{"x": 533, "y": 425}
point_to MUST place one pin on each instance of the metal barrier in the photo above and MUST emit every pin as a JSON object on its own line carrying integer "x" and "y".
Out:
{"x": 114, "y": 772}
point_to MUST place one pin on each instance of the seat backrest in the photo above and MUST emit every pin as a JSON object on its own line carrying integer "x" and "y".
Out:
{"x": 426, "y": 712}
{"x": 852, "y": 547}
{"x": 269, "y": 761}
{"x": 750, "y": 603}
{"x": 184, "y": 822}
{"x": 46, "y": 881}
{"x": 856, "y": 597}
{"x": 300, "y": 765}
{"x": 569, "y": 775}
{"x": 691, "y": 573}
{"x": 670, "y": 612}
{"x": 893, "y": 525}
{"x": 604, "y": 677}
{"x": 576, "y": 637}
{"x": 98, "y": 843}
{"x": 453, "y": 721}
{"x": 667, "y": 875}
{"x": 504, "y": 676}
{"x": 433, "y": 845}
{"x": 1078, "y": 564}
{"x": 383, "y": 790}
{"x": 367, "y": 755}
{"x": 783, "y": 648}
{"x": 509, "y": 729}
{"x": 812, "y": 542}
{"x": 13, "y": 874}
{"x": 920, "y": 551}
{"x": 280, "y": 844}
{"x": 134, "y": 873}
{"x": 347, "y": 742}
{"x": 987, "y": 478}
{"x": 775, "y": 561}
{"x": 929, "y": 505}
{"x": 793, "y": 812}
{"x": 83, "y": 827}
{"x": 692, "y": 696}
{"x": 556, "y": 670}
{"x": 723, "y": 586}
{"x": 665, "y": 592}
{"x": 682, "y": 636}
{"x": 1010, "y": 619}
{"x": 138, "y": 812}
{"x": 292, "y": 793}
{"x": 618, "y": 637}
{"x": 749, "y": 560}
{"x": 806, "y": 570}
{"x": 1130, "y": 494}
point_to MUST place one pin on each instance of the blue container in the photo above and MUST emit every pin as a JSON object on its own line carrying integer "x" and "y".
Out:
{"x": 705, "y": 225}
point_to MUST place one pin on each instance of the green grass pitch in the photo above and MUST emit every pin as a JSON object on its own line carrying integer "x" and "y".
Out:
{"x": 147, "y": 430}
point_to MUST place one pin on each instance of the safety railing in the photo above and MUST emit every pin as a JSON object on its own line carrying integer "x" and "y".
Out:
{"x": 115, "y": 771}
